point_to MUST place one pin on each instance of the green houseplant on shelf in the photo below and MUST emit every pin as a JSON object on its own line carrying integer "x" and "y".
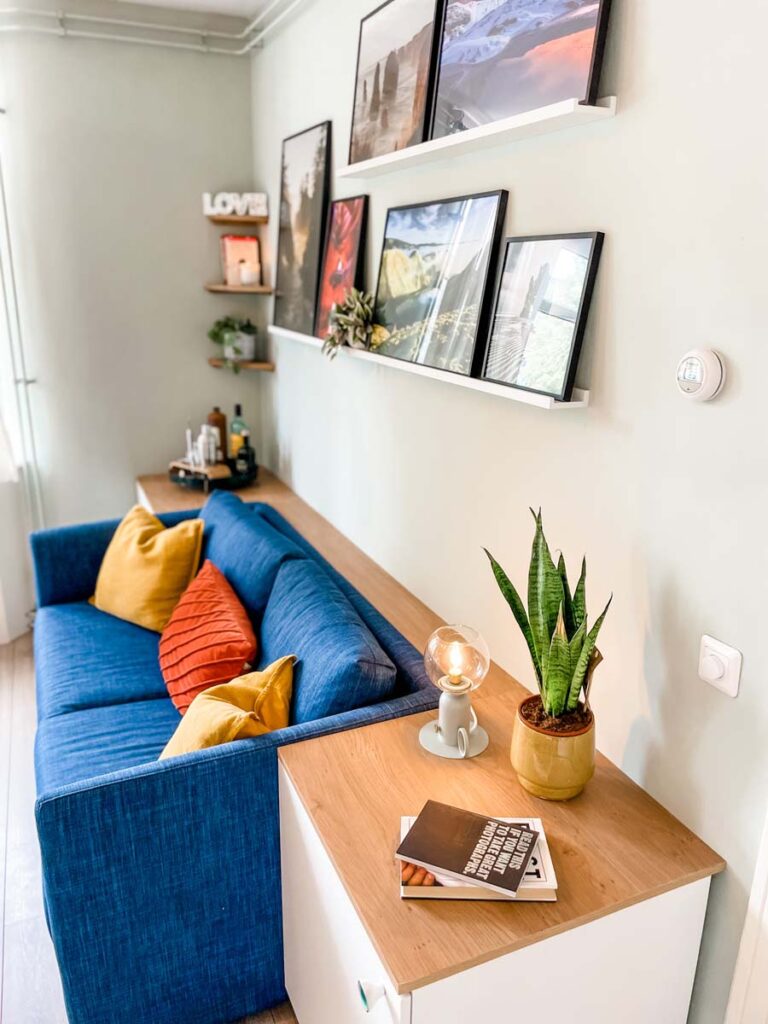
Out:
{"x": 553, "y": 740}
{"x": 351, "y": 323}
{"x": 237, "y": 338}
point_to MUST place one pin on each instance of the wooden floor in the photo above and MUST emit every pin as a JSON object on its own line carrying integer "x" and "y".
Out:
{"x": 30, "y": 991}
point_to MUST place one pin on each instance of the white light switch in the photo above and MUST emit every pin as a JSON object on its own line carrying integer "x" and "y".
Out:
{"x": 720, "y": 665}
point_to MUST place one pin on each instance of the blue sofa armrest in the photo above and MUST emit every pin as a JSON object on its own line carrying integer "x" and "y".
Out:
{"x": 162, "y": 882}
{"x": 67, "y": 559}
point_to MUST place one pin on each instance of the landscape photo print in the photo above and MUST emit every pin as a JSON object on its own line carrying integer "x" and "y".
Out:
{"x": 436, "y": 262}
{"x": 392, "y": 80}
{"x": 541, "y": 310}
{"x": 498, "y": 58}
{"x": 304, "y": 187}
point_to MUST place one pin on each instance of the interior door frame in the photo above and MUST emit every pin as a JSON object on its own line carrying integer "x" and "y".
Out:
{"x": 748, "y": 1000}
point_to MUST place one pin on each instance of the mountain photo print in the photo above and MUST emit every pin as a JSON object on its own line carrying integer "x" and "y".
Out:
{"x": 499, "y": 58}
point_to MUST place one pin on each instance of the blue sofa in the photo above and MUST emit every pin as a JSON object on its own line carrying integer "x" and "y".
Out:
{"x": 162, "y": 878}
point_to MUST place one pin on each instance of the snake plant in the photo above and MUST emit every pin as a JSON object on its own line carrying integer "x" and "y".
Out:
{"x": 561, "y": 644}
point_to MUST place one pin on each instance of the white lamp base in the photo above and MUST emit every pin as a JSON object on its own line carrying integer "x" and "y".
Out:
{"x": 430, "y": 739}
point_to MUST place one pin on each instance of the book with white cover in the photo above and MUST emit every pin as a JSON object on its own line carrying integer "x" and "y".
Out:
{"x": 539, "y": 882}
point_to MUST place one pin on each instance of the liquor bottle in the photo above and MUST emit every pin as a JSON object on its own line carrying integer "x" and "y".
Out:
{"x": 217, "y": 419}
{"x": 236, "y": 432}
{"x": 245, "y": 461}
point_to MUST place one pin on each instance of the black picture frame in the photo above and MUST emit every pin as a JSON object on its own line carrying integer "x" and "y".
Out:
{"x": 487, "y": 293}
{"x": 593, "y": 77}
{"x": 593, "y": 261}
{"x": 437, "y": 16}
{"x": 359, "y": 271}
{"x": 306, "y": 323}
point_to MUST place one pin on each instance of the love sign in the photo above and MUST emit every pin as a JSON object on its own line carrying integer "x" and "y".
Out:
{"x": 239, "y": 204}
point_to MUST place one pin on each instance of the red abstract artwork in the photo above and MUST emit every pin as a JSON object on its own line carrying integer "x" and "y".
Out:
{"x": 343, "y": 260}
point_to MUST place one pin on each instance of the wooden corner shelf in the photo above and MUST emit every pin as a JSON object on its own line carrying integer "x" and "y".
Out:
{"x": 233, "y": 218}
{"x": 233, "y": 289}
{"x": 244, "y": 364}
{"x": 565, "y": 114}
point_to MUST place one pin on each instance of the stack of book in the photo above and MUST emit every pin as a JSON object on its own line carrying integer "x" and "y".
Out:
{"x": 473, "y": 857}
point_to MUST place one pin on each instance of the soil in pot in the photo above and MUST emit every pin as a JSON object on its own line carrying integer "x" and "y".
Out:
{"x": 532, "y": 710}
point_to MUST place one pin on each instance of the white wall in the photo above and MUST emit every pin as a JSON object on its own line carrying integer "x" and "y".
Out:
{"x": 109, "y": 149}
{"x": 668, "y": 498}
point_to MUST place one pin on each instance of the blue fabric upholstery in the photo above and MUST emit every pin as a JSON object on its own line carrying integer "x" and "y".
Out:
{"x": 246, "y": 548}
{"x": 341, "y": 665}
{"x": 83, "y": 744}
{"x": 67, "y": 560}
{"x": 85, "y": 658}
{"x": 162, "y": 878}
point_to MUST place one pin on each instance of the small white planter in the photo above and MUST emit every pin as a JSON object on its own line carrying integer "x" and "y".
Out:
{"x": 246, "y": 343}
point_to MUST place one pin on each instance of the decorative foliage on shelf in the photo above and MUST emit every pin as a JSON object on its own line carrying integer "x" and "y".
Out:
{"x": 561, "y": 645}
{"x": 230, "y": 332}
{"x": 351, "y": 323}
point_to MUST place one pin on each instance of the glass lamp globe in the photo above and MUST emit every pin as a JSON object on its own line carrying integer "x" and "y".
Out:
{"x": 457, "y": 660}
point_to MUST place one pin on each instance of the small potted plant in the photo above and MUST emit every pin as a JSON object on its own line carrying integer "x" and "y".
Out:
{"x": 553, "y": 739}
{"x": 237, "y": 338}
{"x": 351, "y": 323}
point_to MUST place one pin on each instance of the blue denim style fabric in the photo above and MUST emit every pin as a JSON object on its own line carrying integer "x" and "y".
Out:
{"x": 162, "y": 878}
{"x": 340, "y": 663}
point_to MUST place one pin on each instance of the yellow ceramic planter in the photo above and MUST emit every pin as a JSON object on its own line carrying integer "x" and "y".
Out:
{"x": 549, "y": 764}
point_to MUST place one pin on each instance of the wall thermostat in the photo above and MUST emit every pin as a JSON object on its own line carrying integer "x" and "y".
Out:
{"x": 701, "y": 374}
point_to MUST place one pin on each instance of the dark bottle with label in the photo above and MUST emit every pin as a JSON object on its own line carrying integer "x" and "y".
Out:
{"x": 245, "y": 460}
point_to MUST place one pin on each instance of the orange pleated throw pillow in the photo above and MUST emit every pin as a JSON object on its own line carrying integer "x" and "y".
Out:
{"x": 208, "y": 640}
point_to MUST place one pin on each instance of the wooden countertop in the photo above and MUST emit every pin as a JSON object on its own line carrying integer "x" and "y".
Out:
{"x": 612, "y": 847}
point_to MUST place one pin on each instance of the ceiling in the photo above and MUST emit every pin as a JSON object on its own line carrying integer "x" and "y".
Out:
{"x": 241, "y": 8}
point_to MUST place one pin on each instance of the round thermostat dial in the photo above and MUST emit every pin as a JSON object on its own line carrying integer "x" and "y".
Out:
{"x": 701, "y": 374}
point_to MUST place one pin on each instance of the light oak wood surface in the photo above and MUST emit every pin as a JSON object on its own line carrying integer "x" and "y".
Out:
{"x": 612, "y": 847}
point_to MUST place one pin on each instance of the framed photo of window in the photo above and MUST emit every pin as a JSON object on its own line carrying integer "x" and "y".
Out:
{"x": 434, "y": 292}
{"x": 542, "y": 303}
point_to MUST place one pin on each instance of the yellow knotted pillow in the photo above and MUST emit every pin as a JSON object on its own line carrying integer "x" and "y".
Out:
{"x": 147, "y": 568}
{"x": 250, "y": 705}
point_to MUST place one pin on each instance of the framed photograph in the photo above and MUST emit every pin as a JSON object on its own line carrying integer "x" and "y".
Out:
{"x": 393, "y": 78}
{"x": 498, "y": 58}
{"x": 545, "y": 289}
{"x": 436, "y": 263}
{"x": 343, "y": 260}
{"x": 304, "y": 187}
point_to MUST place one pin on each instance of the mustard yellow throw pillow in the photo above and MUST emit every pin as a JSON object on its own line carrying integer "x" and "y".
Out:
{"x": 147, "y": 568}
{"x": 250, "y": 705}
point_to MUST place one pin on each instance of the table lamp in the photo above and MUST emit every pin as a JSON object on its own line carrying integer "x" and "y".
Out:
{"x": 457, "y": 661}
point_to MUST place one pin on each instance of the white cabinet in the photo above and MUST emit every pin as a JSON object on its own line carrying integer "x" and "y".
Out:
{"x": 635, "y": 965}
{"x": 330, "y": 963}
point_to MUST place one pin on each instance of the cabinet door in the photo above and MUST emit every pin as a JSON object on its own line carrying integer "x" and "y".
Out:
{"x": 331, "y": 967}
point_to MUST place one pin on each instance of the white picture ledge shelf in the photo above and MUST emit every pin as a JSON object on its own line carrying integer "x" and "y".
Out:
{"x": 579, "y": 400}
{"x": 566, "y": 114}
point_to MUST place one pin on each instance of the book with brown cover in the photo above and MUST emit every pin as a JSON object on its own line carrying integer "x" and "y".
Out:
{"x": 469, "y": 847}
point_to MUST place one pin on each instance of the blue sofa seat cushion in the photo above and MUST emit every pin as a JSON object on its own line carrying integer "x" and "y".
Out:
{"x": 84, "y": 744}
{"x": 246, "y": 548}
{"x": 85, "y": 658}
{"x": 341, "y": 665}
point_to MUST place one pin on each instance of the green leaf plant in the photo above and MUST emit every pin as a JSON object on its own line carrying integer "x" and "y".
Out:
{"x": 351, "y": 324}
{"x": 562, "y": 646}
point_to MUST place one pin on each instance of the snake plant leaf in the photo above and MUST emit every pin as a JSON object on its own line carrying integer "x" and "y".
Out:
{"x": 570, "y": 623}
{"x": 512, "y": 598}
{"x": 576, "y": 643}
{"x": 545, "y": 592}
{"x": 580, "y": 669}
{"x": 558, "y": 675}
{"x": 580, "y": 596}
